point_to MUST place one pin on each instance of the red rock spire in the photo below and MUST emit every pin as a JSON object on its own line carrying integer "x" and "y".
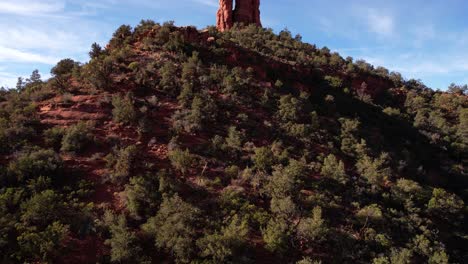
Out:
{"x": 246, "y": 12}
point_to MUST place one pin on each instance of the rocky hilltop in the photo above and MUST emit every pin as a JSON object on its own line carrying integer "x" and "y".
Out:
{"x": 246, "y": 12}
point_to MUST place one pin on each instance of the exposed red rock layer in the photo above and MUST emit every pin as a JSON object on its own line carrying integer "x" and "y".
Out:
{"x": 245, "y": 12}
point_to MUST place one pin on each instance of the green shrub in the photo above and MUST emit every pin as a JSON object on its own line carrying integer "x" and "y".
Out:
{"x": 186, "y": 95}
{"x": 334, "y": 82}
{"x": 41, "y": 209}
{"x": 53, "y": 137}
{"x": 405, "y": 190}
{"x": 4, "y": 144}
{"x": 232, "y": 172}
{"x": 401, "y": 255}
{"x": 371, "y": 213}
{"x": 122, "y": 162}
{"x": 313, "y": 229}
{"x": 176, "y": 42}
{"x": 283, "y": 207}
{"x": 334, "y": 169}
{"x": 98, "y": 72}
{"x": 168, "y": 82}
{"x": 45, "y": 245}
{"x": 300, "y": 131}
{"x": 308, "y": 260}
{"x": 227, "y": 244}
{"x": 444, "y": 203}
{"x": 277, "y": 236}
{"x": 181, "y": 160}
{"x": 234, "y": 139}
{"x": 124, "y": 111}
{"x": 174, "y": 227}
{"x": 76, "y": 137}
{"x": 397, "y": 255}
{"x": 134, "y": 65}
{"x": 191, "y": 69}
{"x": 289, "y": 109}
{"x": 296, "y": 170}
{"x": 282, "y": 184}
{"x": 96, "y": 51}
{"x": 462, "y": 131}
{"x": 167, "y": 183}
{"x": 121, "y": 36}
{"x": 62, "y": 73}
{"x": 392, "y": 111}
{"x": 376, "y": 171}
{"x": 439, "y": 257}
{"x": 349, "y": 134}
{"x": 39, "y": 184}
{"x": 122, "y": 241}
{"x": 263, "y": 158}
{"x": 142, "y": 195}
{"x": 32, "y": 164}
{"x": 202, "y": 111}
{"x": 186, "y": 121}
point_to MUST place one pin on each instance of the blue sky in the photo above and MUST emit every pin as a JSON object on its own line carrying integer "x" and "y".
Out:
{"x": 425, "y": 40}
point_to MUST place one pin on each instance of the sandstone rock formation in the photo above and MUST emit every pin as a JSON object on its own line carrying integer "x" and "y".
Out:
{"x": 245, "y": 12}
{"x": 224, "y": 18}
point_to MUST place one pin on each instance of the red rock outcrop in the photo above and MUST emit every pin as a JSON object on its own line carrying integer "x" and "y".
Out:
{"x": 224, "y": 18}
{"x": 245, "y": 12}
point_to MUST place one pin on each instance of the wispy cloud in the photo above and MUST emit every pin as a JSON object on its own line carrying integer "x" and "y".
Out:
{"x": 425, "y": 67}
{"x": 380, "y": 23}
{"x": 38, "y": 33}
{"x": 413, "y": 65}
{"x": 7, "y": 80}
{"x": 362, "y": 49}
{"x": 22, "y": 37}
{"x": 9, "y": 54}
{"x": 31, "y": 7}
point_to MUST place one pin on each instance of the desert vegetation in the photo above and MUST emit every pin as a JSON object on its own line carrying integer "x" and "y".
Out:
{"x": 243, "y": 146}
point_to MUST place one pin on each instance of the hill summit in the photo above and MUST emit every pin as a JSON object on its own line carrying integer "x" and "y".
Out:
{"x": 246, "y": 12}
{"x": 179, "y": 145}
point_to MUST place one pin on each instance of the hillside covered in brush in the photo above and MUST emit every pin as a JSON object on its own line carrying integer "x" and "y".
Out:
{"x": 178, "y": 145}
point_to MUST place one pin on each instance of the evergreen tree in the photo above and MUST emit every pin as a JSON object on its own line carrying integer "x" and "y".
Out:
{"x": 174, "y": 227}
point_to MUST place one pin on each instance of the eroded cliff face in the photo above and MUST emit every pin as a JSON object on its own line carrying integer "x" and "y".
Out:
{"x": 246, "y": 12}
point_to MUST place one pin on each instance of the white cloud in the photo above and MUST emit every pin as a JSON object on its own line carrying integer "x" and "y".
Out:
{"x": 419, "y": 66}
{"x": 31, "y": 7}
{"x": 380, "y": 23}
{"x": 45, "y": 39}
{"x": 362, "y": 49}
{"x": 32, "y": 37}
{"x": 424, "y": 68}
{"x": 38, "y": 33}
{"x": 376, "y": 61}
{"x": 56, "y": 8}
{"x": 14, "y": 55}
{"x": 7, "y": 80}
